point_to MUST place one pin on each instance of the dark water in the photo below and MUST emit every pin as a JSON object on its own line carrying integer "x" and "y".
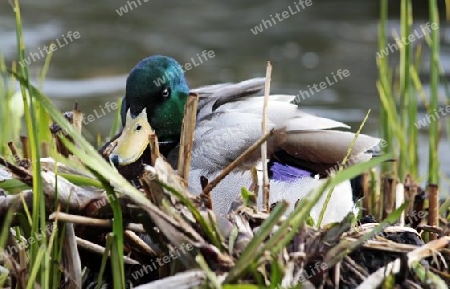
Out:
{"x": 304, "y": 49}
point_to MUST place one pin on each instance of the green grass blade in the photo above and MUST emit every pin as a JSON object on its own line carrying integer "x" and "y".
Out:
{"x": 39, "y": 216}
{"x": 341, "y": 167}
{"x": 433, "y": 161}
{"x": 253, "y": 250}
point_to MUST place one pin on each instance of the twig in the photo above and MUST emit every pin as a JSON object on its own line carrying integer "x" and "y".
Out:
{"x": 354, "y": 268}
{"x": 14, "y": 152}
{"x": 139, "y": 242}
{"x": 264, "y": 145}
{"x": 437, "y": 230}
{"x": 187, "y": 136}
{"x": 22, "y": 174}
{"x": 211, "y": 185}
{"x": 205, "y": 198}
{"x": 76, "y": 219}
{"x": 101, "y": 250}
{"x": 24, "y": 163}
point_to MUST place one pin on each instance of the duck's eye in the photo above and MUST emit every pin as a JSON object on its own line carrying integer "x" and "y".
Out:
{"x": 166, "y": 92}
{"x": 138, "y": 127}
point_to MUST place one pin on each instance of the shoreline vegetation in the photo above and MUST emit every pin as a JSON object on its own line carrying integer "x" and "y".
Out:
{"x": 106, "y": 231}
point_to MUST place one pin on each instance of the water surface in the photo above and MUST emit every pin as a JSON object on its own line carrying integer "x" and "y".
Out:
{"x": 304, "y": 49}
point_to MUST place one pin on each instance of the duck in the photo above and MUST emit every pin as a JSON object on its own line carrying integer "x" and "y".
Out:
{"x": 229, "y": 116}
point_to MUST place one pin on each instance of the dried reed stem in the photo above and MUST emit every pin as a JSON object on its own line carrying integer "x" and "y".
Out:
{"x": 77, "y": 219}
{"x": 433, "y": 199}
{"x": 14, "y": 152}
{"x": 367, "y": 200}
{"x": 399, "y": 200}
{"x": 77, "y": 117}
{"x": 187, "y": 136}
{"x": 410, "y": 193}
{"x": 100, "y": 250}
{"x": 25, "y": 147}
{"x": 154, "y": 148}
{"x": 388, "y": 196}
{"x": 131, "y": 236}
{"x": 265, "y": 184}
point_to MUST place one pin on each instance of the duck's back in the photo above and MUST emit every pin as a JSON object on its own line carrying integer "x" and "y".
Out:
{"x": 230, "y": 120}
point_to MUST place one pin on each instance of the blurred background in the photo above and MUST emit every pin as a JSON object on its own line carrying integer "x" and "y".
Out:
{"x": 304, "y": 49}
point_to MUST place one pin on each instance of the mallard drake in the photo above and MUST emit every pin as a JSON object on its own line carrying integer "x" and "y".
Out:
{"x": 229, "y": 121}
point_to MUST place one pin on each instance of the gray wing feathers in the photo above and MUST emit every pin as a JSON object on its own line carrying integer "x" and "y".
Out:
{"x": 229, "y": 121}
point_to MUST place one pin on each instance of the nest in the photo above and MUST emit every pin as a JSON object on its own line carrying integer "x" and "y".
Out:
{"x": 167, "y": 244}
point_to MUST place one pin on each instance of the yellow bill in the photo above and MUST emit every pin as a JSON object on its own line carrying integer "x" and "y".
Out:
{"x": 133, "y": 141}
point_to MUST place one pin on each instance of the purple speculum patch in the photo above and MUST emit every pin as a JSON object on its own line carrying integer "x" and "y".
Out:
{"x": 287, "y": 173}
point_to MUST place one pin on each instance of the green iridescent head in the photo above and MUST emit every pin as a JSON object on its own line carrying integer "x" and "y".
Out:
{"x": 157, "y": 87}
{"x": 158, "y": 84}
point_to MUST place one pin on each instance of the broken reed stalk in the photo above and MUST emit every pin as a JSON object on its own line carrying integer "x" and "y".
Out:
{"x": 433, "y": 201}
{"x": 70, "y": 259}
{"x": 25, "y": 147}
{"x": 374, "y": 192}
{"x": 187, "y": 136}
{"x": 154, "y": 148}
{"x": 211, "y": 185}
{"x": 388, "y": 196}
{"x": 399, "y": 200}
{"x": 410, "y": 193}
{"x": 265, "y": 184}
{"x": 14, "y": 152}
{"x": 367, "y": 200}
{"x": 418, "y": 206}
{"x": 77, "y": 118}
